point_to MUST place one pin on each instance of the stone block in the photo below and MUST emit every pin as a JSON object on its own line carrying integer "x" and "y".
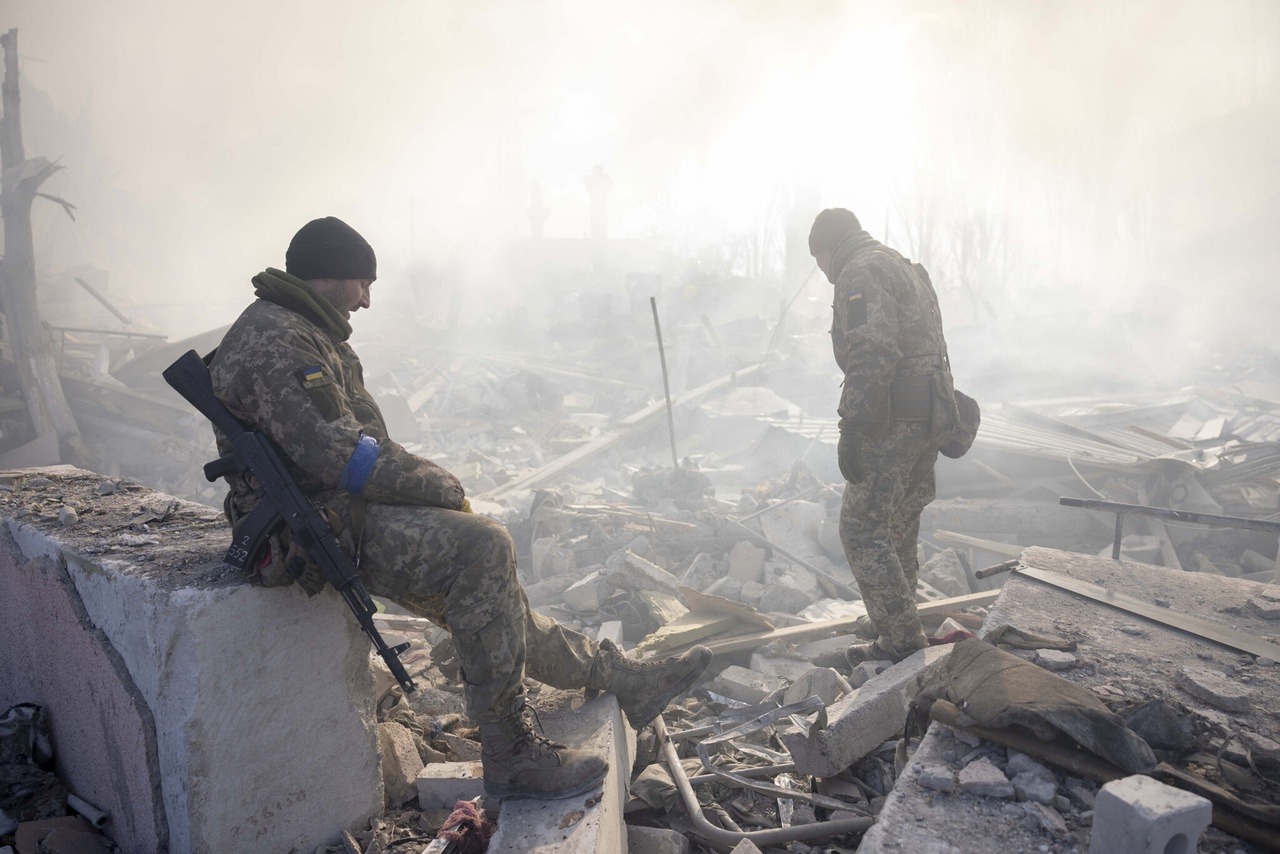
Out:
{"x": 746, "y": 562}
{"x": 181, "y": 656}
{"x": 440, "y": 785}
{"x": 1140, "y": 815}
{"x": 656, "y": 840}
{"x": 745, "y": 686}
{"x": 863, "y": 720}
{"x": 400, "y": 763}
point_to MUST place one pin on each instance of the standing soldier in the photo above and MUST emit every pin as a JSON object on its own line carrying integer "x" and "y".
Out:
{"x": 896, "y": 410}
{"x": 285, "y": 368}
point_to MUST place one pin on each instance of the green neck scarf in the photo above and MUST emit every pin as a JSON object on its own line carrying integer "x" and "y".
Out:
{"x": 294, "y": 294}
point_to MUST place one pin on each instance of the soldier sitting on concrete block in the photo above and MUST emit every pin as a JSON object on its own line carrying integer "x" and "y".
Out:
{"x": 285, "y": 368}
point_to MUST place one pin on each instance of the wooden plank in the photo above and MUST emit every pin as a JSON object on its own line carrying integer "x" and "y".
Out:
{"x": 993, "y": 546}
{"x": 843, "y": 626}
{"x": 685, "y": 631}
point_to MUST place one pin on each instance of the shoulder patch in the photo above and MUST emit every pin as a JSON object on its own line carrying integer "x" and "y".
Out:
{"x": 855, "y": 311}
{"x": 313, "y": 376}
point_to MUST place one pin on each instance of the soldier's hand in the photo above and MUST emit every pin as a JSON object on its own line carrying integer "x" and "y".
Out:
{"x": 849, "y": 454}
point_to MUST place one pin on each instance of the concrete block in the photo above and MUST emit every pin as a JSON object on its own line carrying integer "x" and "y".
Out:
{"x": 1139, "y": 815}
{"x": 180, "y": 657}
{"x": 584, "y": 595}
{"x": 746, "y": 846}
{"x": 656, "y": 840}
{"x": 729, "y": 588}
{"x": 442, "y": 784}
{"x": 752, "y": 593}
{"x": 400, "y": 763}
{"x": 948, "y": 626}
{"x": 861, "y": 721}
{"x": 589, "y": 823}
{"x": 632, "y": 572}
{"x": 745, "y": 686}
{"x": 746, "y": 562}
{"x": 926, "y": 592}
{"x": 821, "y": 682}
{"x": 866, "y": 671}
{"x": 610, "y": 630}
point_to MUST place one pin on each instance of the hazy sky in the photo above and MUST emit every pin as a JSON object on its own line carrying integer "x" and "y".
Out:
{"x": 1015, "y": 146}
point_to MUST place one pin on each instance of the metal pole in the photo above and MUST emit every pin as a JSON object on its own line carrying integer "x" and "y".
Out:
{"x": 666, "y": 384}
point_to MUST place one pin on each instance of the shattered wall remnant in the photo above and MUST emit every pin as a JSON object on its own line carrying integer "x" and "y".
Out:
{"x": 184, "y": 701}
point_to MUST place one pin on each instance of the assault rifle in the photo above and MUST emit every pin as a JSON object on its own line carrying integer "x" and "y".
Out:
{"x": 283, "y": 503}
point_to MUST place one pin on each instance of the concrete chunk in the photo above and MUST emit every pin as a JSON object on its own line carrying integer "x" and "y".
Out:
{"x": 860, "y": 722}
{"x": 655, "y": 840}
{"x": 745, "y": 686}
{"x": 400, "y": 762}
{"x": 821, "y": 682}
{"x": 982, "y": 777}
{"x": 180, "y": 656}
{"x": 1214, "y": 688}
{"x": 585, "y": 594}
{"x": 1055, "y": 660}
{"x": 746, "y": 846}
{"x": 1140, "y": 815}
{"x": 946, "y": 572}
{"x": 746, "y": 562}
{"x": 442, "y": 784}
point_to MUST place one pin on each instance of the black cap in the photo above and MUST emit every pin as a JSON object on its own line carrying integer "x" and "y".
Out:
{"x": 830, "y": 228}
{"x": 328, "y": 248}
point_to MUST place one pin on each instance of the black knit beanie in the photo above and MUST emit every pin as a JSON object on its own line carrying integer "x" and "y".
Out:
{"x": 328, "y": 248}
{"x": 830, "y": 228}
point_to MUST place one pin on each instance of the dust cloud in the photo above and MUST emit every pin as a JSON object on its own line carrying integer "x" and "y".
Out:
{"x": 1093, "y": 186}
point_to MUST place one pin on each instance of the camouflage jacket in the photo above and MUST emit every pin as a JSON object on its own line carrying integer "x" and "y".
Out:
{"x": 301, "y": 385}
{"x": 886, "y": 323}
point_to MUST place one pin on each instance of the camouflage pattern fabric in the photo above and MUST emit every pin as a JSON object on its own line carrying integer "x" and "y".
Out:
{"x": 885, "y": 323}
{"x": 459, "y": 571}
{"x": 300, "y": 385}
{"x": 303, "y": 386}
{"x": 879, "y": 525}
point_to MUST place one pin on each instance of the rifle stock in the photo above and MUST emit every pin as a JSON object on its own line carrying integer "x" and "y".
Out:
{"x": 255, "y": 453}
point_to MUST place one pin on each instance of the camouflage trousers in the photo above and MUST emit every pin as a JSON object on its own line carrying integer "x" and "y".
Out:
{"x": 459, "y": 571}
{"x": 879, "y": 526}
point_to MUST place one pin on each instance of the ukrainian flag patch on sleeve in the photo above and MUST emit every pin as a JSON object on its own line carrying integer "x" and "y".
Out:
{"x": 313, "y": 376}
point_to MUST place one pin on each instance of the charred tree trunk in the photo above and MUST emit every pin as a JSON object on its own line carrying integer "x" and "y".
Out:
{"x": 20, "y": 180}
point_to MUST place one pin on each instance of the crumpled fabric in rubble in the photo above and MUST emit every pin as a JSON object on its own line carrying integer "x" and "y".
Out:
{"x": 997, "y": 689}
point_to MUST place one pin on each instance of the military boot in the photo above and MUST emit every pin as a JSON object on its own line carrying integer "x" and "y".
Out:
{"x": 644, "y": 688}
{"x": 519, "y": 762}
